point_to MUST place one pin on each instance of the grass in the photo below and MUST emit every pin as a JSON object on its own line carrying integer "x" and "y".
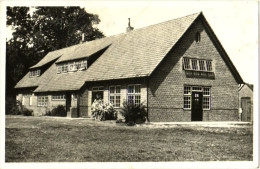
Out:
{"x": 52, "y": 139}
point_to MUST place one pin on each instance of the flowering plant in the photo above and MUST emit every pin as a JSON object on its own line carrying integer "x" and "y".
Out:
{"x": 103, "y": 111}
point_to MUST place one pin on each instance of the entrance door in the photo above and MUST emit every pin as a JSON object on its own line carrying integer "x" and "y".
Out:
{"x": 196, "y": 109}
{"x": 68, "y": 103}
{"x": 97, "y": 95}
{"x": 246, "y": 108}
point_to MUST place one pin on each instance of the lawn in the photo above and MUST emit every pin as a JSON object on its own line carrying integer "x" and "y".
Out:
{"x": 50, "y": 139}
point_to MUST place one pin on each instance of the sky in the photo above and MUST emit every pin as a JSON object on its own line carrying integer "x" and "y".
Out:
{"x": 235, "y": 23}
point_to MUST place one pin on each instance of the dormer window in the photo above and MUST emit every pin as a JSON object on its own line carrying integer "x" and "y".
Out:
{"x": 72, "y": 66}
{"x": 34, "y": 73}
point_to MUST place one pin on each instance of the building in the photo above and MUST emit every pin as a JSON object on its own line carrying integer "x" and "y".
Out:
{"x": 246, "y": 102}
{"x": 177, "y": 68}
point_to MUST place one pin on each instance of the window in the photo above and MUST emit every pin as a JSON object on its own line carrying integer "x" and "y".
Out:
{"x": 34, "y": 73}
{"x": 72, "y": 66}
{"x": 197, "y": 64}
{"x": 59, "y": 69}
{"x": 42, "y": 100}
{"x": 58, "y": 97}
{"x": 79, "y": 64}
{"x": 194, "y": 64}
{"x": 114, "y": 95}
{"x": 134, "y": 94}
{"x": 206, "y": 98}
{"x": 186, "y": 63}
{"x": 64, "y": 67}
{"x": 187, "y": 96}
{"x": 187, "y": 102}
{"x": 209, "y": 65}
{"x": 202, "y": 65}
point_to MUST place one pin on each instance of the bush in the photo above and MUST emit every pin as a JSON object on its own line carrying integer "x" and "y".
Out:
{"x": 27, "y": 112}
{"x": 57, "y": 111}
{"x": 133, "y": 113}
{"x": 102, "y": 111}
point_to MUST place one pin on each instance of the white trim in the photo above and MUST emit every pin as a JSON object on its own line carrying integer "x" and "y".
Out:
{"x": 115, "y": 95}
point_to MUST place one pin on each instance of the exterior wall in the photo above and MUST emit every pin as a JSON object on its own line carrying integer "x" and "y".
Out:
{"x": 246, "y": 92}
{"x": 166, "y": 84}
{"x": 86, "y": 93}
{"x": 38, "y": 110}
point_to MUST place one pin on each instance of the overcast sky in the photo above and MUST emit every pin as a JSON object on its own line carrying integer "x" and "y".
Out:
{"x": 234, "y": 23}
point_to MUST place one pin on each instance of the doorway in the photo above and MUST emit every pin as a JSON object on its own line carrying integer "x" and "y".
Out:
{"x": 246, "y": 109}
{"x": 97, "y": 95}
{"x": 196, "y": 108}
{"x": 68, "y": 103}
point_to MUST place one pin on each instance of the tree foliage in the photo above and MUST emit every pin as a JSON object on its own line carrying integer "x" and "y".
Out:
{"x": 45, "y": 30}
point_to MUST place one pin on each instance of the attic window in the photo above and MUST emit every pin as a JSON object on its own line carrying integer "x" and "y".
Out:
{"x": 72, "y": 66}
{"x": 34, "y": 73}
{"x": 198, "y": 37}
{"x": 197, "y": 64}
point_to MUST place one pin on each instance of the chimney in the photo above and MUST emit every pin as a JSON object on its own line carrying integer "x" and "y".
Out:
{"x": 82, "y": 37}
{"x": 129, "y": 28}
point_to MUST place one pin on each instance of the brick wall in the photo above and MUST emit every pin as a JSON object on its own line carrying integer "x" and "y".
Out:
{"x": 166, "y": 84}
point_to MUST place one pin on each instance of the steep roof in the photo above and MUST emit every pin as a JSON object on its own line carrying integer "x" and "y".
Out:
{"x": 51, "y": 56}
{"x": 86, "y": 49}
{"x": 139, "y": 51}
{"x": 133, "y": 54}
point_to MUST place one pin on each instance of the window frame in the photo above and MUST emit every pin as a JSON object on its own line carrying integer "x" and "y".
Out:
{"x": 42, "y": 100}
{"x": 72, "y": 66}
{"x": 57, "y": 97}
{"x": 35, "y": 73}
{"x": 135, "y": 95}
{"x": 195, "y": 64}
{"x": 115, "y": 94}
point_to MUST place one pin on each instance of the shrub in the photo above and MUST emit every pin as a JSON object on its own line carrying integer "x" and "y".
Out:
{"x": 133, "y": 113}
{"x": 102, "y": 111}
{"x": 27, "y": 112}
{"x": 57, "y": 111}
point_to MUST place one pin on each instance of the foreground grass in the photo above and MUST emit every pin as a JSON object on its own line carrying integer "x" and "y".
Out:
{"x": 46, "y": 139}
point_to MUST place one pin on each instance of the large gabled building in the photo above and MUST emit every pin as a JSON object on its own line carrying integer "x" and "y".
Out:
{"x": 177, "y": 68}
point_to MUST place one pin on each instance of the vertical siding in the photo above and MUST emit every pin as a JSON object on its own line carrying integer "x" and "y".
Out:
{"x": 166, "y": 84}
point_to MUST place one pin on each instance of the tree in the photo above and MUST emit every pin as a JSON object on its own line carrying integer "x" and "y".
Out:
{"x": 47, "y": 29}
